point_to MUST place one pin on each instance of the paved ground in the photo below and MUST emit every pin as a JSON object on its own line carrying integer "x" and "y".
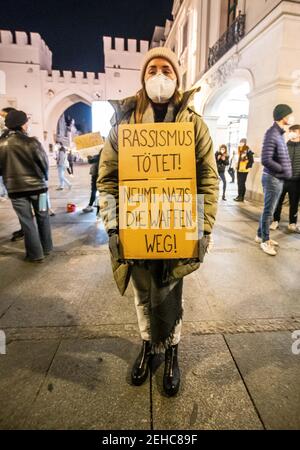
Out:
{"x": 72, "y": 339}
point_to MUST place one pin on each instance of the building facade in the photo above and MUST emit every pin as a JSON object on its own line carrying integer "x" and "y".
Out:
{"x": 244, "y": 55}
{"x": 27, "y": 81}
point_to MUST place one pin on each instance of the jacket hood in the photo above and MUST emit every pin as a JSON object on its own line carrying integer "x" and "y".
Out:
{"x": 126, "y": 105}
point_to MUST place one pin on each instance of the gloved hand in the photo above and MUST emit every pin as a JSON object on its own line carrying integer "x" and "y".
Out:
{"x": 113, "y": 245}
{"x": 205, "y": 246}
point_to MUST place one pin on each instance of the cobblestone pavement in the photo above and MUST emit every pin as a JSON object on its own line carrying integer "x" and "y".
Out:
{"x": 71, "y": 339}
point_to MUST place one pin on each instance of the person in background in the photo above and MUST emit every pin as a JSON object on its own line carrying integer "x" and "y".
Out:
{"x": 71, "y": 163}
{"x": 231, "y": 170}
{"x": 3, "y": 114}
{"x": 291, "y": 186}
{"x": 62, "y": 165}
{"x": 94, "y": 161}
{"x": 277, "y": 168}
{"x": 158, "y": 284}
{"x": 222, "y": 160}
{"x": 245, "y": 163}
{"x": 19, "y": 234}
{"x": 24, "y": 166}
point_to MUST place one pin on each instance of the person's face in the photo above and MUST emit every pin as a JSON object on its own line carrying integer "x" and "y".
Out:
{"x": 159, "y": 66}
{"x": 288, "y": 120}
{"x": 3, "y": 114}
{"x": 295, "y": 136}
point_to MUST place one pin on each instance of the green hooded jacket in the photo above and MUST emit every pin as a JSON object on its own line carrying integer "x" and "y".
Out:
{"x": 206, "y": 174}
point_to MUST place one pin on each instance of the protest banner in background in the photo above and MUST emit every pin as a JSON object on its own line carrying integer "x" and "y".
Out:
{"x": 88, "y": 144}
{"x": 157, "y": 191}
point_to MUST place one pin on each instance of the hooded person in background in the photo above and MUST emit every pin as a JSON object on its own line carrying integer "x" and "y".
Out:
{"x": 292, "y": 186}
{"x": 245, "y": 163}
{"x": 277, "y": 168}
{"x": 24, "y": 167}
{"x": 157, "y": 284}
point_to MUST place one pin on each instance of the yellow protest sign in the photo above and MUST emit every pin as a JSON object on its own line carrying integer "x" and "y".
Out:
{"x": 88, "y": 144}
{"x": 157, "y": 191}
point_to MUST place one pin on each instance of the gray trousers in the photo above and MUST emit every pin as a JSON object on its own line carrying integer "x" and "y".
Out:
{"x": 143, "y": 288}
{"x": 37, "y": 235}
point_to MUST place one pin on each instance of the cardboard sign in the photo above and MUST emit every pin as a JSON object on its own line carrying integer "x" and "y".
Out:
{"x": 88, "y": 144}
{"x": 157, "y": 191}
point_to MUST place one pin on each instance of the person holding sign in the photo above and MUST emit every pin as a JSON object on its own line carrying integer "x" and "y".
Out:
{"x": 147, "y": 156}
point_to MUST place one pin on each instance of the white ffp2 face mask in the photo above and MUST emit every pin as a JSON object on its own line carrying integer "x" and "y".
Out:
{"x": 160, "y": 88}
{"x": 293, "y": 135}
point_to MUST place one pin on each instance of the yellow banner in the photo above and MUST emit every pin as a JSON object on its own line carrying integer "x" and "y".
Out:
{"x": 157, "y": 193}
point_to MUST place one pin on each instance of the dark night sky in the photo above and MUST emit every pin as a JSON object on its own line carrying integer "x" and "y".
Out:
{"x": 73, "y": 30}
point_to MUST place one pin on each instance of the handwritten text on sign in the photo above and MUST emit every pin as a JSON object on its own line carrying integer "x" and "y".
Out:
{"x": 157, "y": 195}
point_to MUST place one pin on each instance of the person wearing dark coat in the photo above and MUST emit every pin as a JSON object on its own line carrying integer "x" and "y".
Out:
{"x": 277, "y": 168}
{"x": 19, "y": 234}
{"x": 292, "y": 186}
{"x": 94, "y": 161}
{"x": 70, "y": 169}
{"x": 24, "y": 167}
{"x": 222, "y": 160}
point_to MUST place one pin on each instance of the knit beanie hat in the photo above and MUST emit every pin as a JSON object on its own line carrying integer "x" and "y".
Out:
{"x": 15, "y": 119}
{"x": 161, "y": 52}
{"x": 281, "y": 111}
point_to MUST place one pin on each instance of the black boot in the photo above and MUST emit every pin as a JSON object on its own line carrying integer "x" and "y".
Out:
{"x": 140, "y": 368}
{"x": 172, "y": 373}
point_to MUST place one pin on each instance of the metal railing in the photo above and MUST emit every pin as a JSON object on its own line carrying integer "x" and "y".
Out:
{"x": 232, "y": 36}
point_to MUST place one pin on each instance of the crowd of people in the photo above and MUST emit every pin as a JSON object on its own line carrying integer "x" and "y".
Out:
{"x": 281, "y": 175}
{"x": 240, "y": 166}
{"x": 157, "y": 284}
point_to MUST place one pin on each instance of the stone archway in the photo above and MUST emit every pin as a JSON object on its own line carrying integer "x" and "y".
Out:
{"x": 58, "y": 105}
{"x": 225, "y": 106}
{"x": 219, "y": 87}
